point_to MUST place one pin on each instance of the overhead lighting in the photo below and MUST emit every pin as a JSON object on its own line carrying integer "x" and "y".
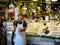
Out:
{"x": 35, "y": 0}
{"x": 24, "y": 8}
{"x": 21, "y": 4}
{"x": 47, "y": 0}
{"x": 38, "y": 7}
{"x": 11, "y": 5}
{"x": 54, "y": 0}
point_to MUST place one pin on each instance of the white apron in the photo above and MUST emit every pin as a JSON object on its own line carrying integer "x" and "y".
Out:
{"x": 19, "y": 38}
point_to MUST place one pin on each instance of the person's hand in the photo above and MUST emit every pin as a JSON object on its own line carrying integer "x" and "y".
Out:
{"x": 19, "y": 29}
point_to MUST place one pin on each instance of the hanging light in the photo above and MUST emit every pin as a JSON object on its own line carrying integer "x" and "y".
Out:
{"x": 54, "y": 0}
{"x": 24, "y": 8}
{"x": 35, "y": 0}
{"x": 11, "y": 5}
{"x": 12, "y": 8}
{"x": 38, "y": 7}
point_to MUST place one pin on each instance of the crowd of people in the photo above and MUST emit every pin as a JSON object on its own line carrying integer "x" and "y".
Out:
{"x": 18, "y": 36}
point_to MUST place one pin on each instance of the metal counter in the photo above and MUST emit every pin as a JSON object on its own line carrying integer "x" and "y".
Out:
{"x": 42, "y": 40}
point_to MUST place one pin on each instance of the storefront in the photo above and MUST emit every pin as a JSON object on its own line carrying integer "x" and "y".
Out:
{"x": 41, "y": 32}
{"x": 42, "y": 17}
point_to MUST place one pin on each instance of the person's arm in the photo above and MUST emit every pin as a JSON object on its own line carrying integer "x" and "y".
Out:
{"x": 24, "y": 27}
{"x": 15, "y": 25}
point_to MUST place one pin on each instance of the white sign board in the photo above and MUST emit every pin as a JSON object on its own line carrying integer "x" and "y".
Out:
{"x": 9, "y": 26}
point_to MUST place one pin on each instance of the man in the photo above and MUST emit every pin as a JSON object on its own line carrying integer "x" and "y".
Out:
{"x": 3, "y": 31}
{"x": 20, "y": 31}
{"x": 0, "y": 30}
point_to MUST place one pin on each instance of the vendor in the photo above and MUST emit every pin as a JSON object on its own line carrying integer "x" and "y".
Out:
{"x": 20, "y": 31}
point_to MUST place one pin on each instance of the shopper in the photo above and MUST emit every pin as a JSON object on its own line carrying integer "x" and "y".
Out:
{"x": 3, "y": 31}
{"x": 0, "y": 30}
{"x": 20, "y": 31}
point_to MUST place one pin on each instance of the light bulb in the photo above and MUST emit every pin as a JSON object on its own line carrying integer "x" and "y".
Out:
{"x": 35, "y": 0}
{"x": 11, "y": 5}
{"x": 54, "y": 0}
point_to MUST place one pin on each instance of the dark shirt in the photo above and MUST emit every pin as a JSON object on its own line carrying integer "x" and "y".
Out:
{"x": 20, "y": 22}
{"x": 2, "y": 32}
{"x": 1, "y": 22}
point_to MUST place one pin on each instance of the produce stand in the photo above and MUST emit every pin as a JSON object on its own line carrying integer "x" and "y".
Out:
{"x": 40, "y": 34}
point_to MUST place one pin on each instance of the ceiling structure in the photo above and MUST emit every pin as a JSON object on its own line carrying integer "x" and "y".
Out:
{"x": 4, "y": 3}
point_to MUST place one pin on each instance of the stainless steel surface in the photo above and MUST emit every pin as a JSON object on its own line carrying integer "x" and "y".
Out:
{"x": 9, "y": 37}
